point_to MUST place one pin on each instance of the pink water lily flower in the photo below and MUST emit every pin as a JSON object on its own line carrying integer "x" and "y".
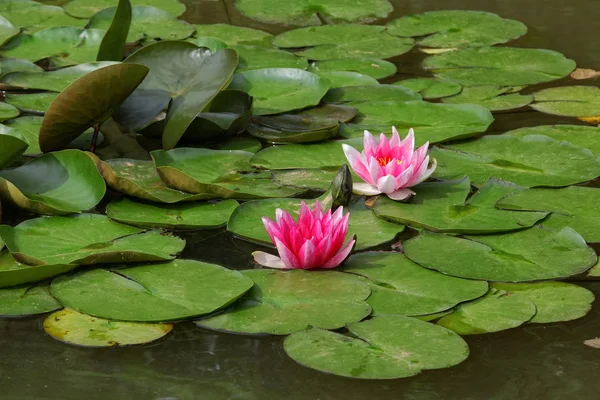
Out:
{"x": 316, "y": 241}
{"x": 390, "y": 166}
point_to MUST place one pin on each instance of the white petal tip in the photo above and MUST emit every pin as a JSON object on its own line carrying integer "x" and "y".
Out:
{"x": 268, "y": 260}
{"x": 401, "y": 194}
{"x": 365, "y": 189}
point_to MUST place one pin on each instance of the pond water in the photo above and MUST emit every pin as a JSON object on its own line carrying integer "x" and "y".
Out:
{"x": 536, "y": 361}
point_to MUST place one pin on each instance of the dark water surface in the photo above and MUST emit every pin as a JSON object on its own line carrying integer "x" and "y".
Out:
{"x": 533, "y": 362}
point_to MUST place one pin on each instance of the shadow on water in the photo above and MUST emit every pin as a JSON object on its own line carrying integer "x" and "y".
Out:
{"x": 535, "y": 361}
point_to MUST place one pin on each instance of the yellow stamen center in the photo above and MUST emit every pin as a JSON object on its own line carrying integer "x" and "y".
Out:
{"x": 383, "y": 161}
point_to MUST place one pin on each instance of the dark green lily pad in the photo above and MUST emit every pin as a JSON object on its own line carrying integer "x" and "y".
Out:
{"x": 275, "y": 136}
{"x": 86, "y": 8}
{"x": 174, "y": 217}
{"x": 86, "y": 239}
{"x": 7, "y": 111}
{"x": 88, "y": 102}
{"x": 401, "y": 287}
{"x": 310, "y": 12}
{"x": 372, "y": 67}
{"x": 234, "y": 35}
{"x": 353, "y": 95}
{"x": 213, "y": 44}
{"x": 242, "y": 143}
{"x": 533, "y": 160}
{"x": 493, "y": 98}
{"x": 8, "y": 65}
{"x": 532, "y": 254}
{"x": 501, "y": 66}
{"x": 21, "y": 301}
{"x": 574, "y": 206}
{"x": 579, "y": 135}
{"x": 339, "y": 79}
{"x": 152, "y": 293}
{"x": 387, "y": 347}
{"x": 282, "y": 302}
{"x": 183, "y": 76}
{"x": 35, "y": 16}
{"x": 146, "y": 22}
{"x": 554, "y": 301}
{"x": 277, "y": 90}
{"x": 431, "y": 88}
{"x": 493, "y": 313}
{"x": 63, "y": 182}
{"x": 63, "y": 45}
{"x": 56, "y": 81}
{"x": 78, "y": 329}
{"x": 443, "y": 207}
{"x": 31, "y": 102}
{"x": 315, "y": 179}
{"x": 328, "y": 42}
{"x": 7, "y": 31}
{"x": 14, "y": 273}
{"x": 571, "y": 101}
{"x": 457, "y": 28}
{"x": 230, "y": 174}
{"x": 257, "y": 57}
{"x": 12, "y": 143}
{"x": 139, "y": 178}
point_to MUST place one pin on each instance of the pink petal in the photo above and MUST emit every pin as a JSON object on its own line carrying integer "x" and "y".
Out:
{"x": 395, "y": 141}
{"x": 268, "y": 260}
{"x": 383, "y": 149}
{"x": 404, "y": 178}
{"x": 357, "y": 161}
{"x": 365, "y": 189}
{"x": 375, "y": 171}
{"x": 405, "y": 150}
{"x": 323, "y": 249}
{"x": 387, "y": 184}
{"x": 340, "y": 256}
{"x": 400, "y": 194}
{"x": 287, "y": 257}
{"x": 370, "y": 144}
{"x": 337, "y": 216}
{"x": 306, "y": 255}
{"x": 272, "y": 229}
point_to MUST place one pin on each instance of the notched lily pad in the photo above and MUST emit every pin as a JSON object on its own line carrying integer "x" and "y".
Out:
{"x": 372, "y": 67}
{"x": 21, "y": 301}
{"x": 14, "y": 273}
{"x": 570, "y": 101}
{"x": 352, "y": 95}
{"x": 493, "y": 98}
{"x": 431, "y": 88}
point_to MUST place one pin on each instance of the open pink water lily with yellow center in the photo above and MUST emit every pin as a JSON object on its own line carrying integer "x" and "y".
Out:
{"x": 315, "y": 241}
{"x": 390, "y": 166}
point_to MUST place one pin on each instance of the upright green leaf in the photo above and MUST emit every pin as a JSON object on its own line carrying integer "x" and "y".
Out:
{"x": 113, "y": 43}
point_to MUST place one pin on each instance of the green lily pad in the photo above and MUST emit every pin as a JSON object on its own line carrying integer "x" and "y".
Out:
{"x": 115, "y": 39}
{"x": 88, "y": 102}
{"x": 372, "y": 67}
{"x": 501, "y": 66}
{"x": 139, "y": 178}
{"x": 174, "y": 217}
{"x": 86, "y": 8}
{"x": 457, "y": 28}
{"x": 346, "y": 78}
{"x": 213, "y": 44}
{"x": 491, "y": 97}
{"x": 532, "y": 254}
{"x": 315, "y": 179}
{"x": 183, "y": 76}
{"x": 310, "y": 12}
{"x": 257, "y": 57}
{"x": 86, "y": 239}
{"x": 169, "y": 291}
{"x": 495, "y": 312}
{"x": 282, "y": 302}
{"x": 431, "y": 88}
{"x": 8, "y": 65}
{"x": 12, "y": 143}
{"x": 387, "y": 347}
{"x": 277, "y": 90}
{"x": 21, "y": 301}
{"x": 579, "y": 135}
{"x": 7, "y": 31}
{"x": 78, "y": 329}
{"x": 35, "y": 16}
{"x": 63, "y": 45}
{"x": 242, "y": 143}
{"x": 310, "y": 125}
{"x": 7, "y": 111}
{"x": 533, "y": 160}
{"x": 401, "y": 287}
{"x": 14, "y": 273}
{"x": 570, "y": 101}
{"x": 56, "y": 81}
{"x": 31, "y": 102}
{"x": 443, "y": 207}
{"x": 328, "y": 42}
{"x": 63, "y": 182}
{"x": 234, "y": 35}
{"x": 353, "y": 95}
{"x": 574, "y": 206}
{"x": 229, "y": 176}
{"x": 554, "y": 301}
{"x": 146, "y": 22}
{"x": 432, "y": 122}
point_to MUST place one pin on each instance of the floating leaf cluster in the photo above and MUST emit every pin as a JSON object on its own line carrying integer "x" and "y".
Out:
{"x": 123, "y": 127}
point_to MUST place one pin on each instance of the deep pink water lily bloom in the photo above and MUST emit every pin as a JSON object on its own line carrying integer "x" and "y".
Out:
{"x": 315, "y": 241}
{"x": 390, "y": 166}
